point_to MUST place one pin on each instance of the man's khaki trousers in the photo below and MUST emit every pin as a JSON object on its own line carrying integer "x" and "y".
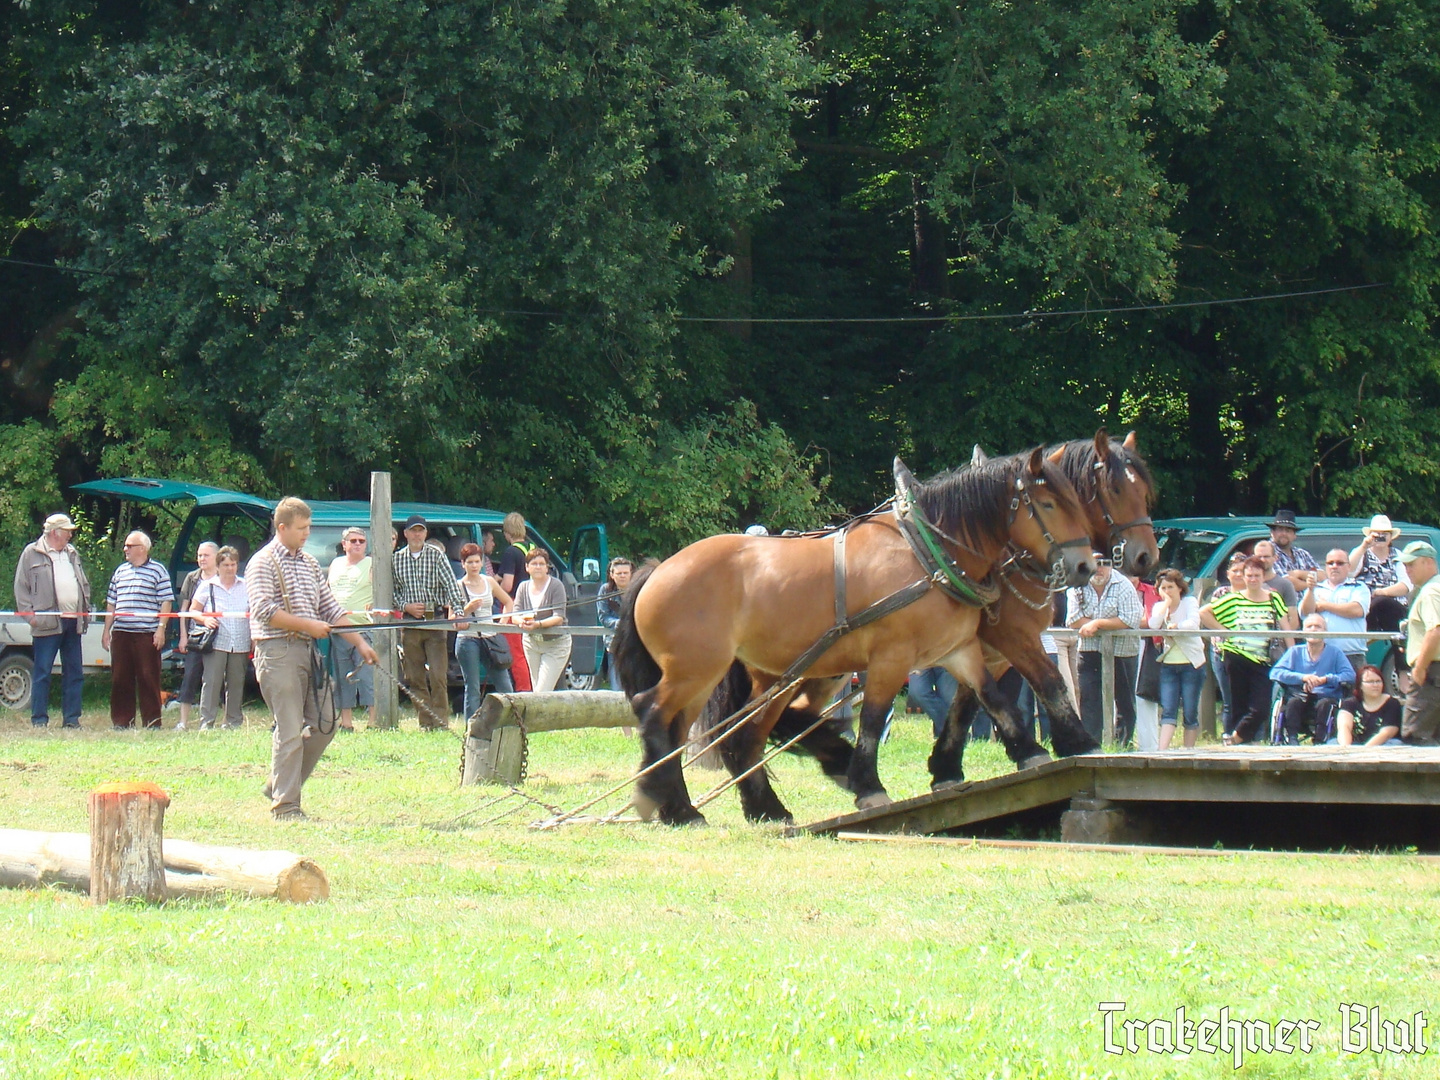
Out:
{"x": 285, "y": 671}
{"x": 427, "y": 665}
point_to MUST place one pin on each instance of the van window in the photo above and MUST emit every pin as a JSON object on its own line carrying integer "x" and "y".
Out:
{"x": 240, "y": 531}
{"x": 1187, "y": 550}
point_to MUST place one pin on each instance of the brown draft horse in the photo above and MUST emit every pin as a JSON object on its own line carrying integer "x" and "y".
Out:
{"x": 762, "y": 601}
{"x": 1116, "y": 491}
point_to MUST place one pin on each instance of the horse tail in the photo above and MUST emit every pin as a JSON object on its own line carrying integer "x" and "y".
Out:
{"x": 634, "y": 666}
{"x": 728, "y": 698}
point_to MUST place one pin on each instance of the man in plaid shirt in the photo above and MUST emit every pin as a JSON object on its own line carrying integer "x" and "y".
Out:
{"x": 424, "y": 586}
{"x": 1108, "y": 602}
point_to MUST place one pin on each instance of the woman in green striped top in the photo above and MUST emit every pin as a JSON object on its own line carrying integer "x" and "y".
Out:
{"x": 1247, "y": 659}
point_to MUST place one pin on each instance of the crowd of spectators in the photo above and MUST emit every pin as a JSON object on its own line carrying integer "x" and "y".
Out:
{"x": 212, "y": 637}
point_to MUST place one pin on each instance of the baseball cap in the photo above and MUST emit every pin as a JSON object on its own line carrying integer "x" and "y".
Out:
{"x": 416, "y": 519}
{"x": 59, "y": 521}
{"x": 1417, "y": 549}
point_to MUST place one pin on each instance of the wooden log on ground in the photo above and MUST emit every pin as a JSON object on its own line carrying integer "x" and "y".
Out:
{"x": 39, "y": 859}
{"x": 127, "y": 826}
{"x": 495, "y": 745}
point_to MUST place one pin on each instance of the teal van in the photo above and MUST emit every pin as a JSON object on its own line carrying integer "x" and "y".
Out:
{"x": 244, "y": 522}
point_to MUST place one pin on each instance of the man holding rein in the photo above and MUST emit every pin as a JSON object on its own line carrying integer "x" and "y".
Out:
{"x": 291, "y": 606}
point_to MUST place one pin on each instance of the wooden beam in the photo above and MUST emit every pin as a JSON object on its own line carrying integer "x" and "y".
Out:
{"x": 1119, "y": 849}
{"x": 387, "y": 643}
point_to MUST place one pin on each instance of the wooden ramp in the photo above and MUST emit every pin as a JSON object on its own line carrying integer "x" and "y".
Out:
{"x": 1314, "y": 798}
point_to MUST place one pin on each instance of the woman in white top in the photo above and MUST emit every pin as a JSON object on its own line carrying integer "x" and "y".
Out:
{"x": 224, "y": 666}
{"x": 473, "y": 652}
{"x": 1182, "y": 657}
{"x": 540, "y": 606}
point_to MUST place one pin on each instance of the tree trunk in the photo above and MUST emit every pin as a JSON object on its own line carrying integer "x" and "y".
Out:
{"x": 495, "y": 745}
{"x": 40, "y": 859}
{"x": 127, "y": 825}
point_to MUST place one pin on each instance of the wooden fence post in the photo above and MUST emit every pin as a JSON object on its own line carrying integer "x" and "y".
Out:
{"x": 1107, "y": 684}
{"x": 386, "y": 642}
{"x": 127, "y": 826}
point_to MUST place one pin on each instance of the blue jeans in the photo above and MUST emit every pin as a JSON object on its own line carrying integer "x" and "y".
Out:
{"x": 933, "y": 689}
{"x": 1217, "y": 665}
{"x": 472, "y": 666}
{"x": 66, "y": 645}
{"x": 1181, "y": 682}
{"x": 356, "y": 691}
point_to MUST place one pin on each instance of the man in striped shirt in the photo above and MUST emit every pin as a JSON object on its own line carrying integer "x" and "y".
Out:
{"x": 291, "y": 605}
{"x": 139, "y": 594}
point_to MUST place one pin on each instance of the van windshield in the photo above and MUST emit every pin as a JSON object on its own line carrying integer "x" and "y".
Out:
{"x": 1187, "y": 550}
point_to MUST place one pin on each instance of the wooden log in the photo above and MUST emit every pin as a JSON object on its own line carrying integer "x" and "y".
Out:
{"x": 127, "y": 826}
{"x": 39, "y": 859}
{"x": 495, "y": 747}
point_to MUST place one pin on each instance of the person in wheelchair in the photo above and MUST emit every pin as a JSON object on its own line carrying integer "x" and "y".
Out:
{"x": 1313, "y": 675}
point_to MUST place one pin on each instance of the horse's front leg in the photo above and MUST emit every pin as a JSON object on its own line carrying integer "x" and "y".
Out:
{"x": 1067, "y": 734}
{"x": 947, "y": 759}
{"x": 1017, "y": 735}
{"x": 880, "y": 690}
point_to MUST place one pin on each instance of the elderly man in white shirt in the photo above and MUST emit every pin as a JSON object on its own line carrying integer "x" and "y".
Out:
{"x": 1343, "y": 601}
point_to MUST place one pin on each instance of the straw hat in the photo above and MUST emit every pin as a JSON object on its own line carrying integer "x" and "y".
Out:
{"x": 1381, "y": 524}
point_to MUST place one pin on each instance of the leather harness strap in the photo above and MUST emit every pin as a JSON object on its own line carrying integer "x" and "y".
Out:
{"x": 840, "y": 620}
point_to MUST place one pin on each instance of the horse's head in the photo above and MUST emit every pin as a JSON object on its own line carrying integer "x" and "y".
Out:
{"x": 1121, "y": 500}
{"x": 1047, "y": 519}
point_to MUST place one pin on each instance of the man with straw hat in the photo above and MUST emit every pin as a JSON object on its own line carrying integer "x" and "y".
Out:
{"x": 1376, "y": 564}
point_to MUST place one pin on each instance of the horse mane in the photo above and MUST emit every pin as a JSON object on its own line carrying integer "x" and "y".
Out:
{"x": 1078, "y": 459}
{"x": 972, "y": 502}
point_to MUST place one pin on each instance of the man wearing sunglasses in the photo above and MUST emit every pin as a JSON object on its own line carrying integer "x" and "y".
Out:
{"x": 351, "y": 582}
{"x": 1343, "y": 601}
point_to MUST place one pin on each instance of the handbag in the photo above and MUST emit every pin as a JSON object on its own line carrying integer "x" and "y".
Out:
{"x": 1147, "y": 683}
{"x": 202, "y": 638}
{"x": 497, "y": 652}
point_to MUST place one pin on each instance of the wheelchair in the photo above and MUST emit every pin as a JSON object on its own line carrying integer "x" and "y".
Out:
{"x": 1318, "y": 718}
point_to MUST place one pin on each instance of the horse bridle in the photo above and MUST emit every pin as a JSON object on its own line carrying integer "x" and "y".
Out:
{"x": 1116, "y": 536}
{"x": 1055, "y": 554}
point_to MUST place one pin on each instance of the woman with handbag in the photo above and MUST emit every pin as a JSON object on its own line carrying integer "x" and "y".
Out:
{"x": 225, "y": 645}
{"x": 1182, "y": 657}
{"x": 478, "y": 652}
{"x": 540, "y": 605}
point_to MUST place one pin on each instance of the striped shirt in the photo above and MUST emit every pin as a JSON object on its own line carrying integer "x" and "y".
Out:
{"x": 1236, "y": 611}
{"x": 426, "y": 578}
{"x": 306, "y": 592}
{"x": 143, "y": 589}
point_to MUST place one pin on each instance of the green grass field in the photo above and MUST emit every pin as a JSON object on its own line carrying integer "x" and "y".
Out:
{"x": 640, "y": 951}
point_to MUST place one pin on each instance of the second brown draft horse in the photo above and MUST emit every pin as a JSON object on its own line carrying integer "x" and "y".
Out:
{"x": 763, "y": 601}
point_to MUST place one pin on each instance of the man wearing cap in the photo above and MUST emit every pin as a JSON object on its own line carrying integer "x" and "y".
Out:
{"x": 50, "y": 579}
{"x": 424, "y": 586}
{"x": 1376, "y": 564}
{"x": 350, "y": 581}
{"x": 1421, "y": 725}
{"x": 1294, "y": 562}
{"x": 1108, "y": 602}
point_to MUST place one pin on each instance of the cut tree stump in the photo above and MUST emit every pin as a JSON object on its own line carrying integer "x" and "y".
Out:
{"x": 127, "y": 825}
{"x": 495, "y": 744}
{"x": 40, "y": 859}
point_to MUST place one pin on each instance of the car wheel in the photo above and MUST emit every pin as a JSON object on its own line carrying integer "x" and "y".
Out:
{"x": 17, "y": 680}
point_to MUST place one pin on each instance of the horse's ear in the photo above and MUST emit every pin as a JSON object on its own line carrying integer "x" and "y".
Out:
{"x": 1102, "y": 444}
{"x": 978, "y": 456}
{"x": 1058, "y": 455}
{"x": 1131, "y": 443}
{"x": 1036, "y": 464}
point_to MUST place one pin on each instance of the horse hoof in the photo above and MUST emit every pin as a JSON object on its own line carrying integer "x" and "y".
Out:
{"x": 685, "y": 815}
{"x": 1033, "y": 760}
{"x": 870, "y": 802}
{"x": 644, "y": 806}
{"x": 946, "y": 785}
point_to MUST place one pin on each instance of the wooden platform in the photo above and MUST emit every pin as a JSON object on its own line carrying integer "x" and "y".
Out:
{"x": 1317, "y": 798}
